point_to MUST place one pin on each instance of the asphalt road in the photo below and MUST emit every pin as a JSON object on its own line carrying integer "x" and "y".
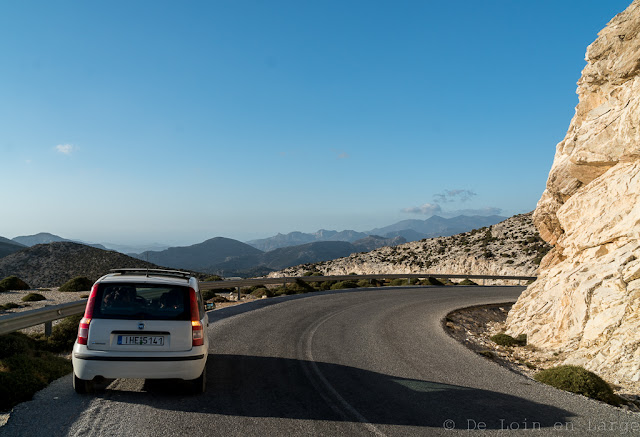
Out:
{"x": 341, "y": 363}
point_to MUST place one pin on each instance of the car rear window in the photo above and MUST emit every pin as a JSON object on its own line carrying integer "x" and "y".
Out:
{"x": 142, "y": 301}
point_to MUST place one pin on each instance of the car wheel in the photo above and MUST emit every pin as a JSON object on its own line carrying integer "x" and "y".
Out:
{"x": 82, "y": 386}
{"x": 199, "y": 385}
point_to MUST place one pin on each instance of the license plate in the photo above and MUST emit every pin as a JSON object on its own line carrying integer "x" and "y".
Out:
{"x": 141, "y": 340}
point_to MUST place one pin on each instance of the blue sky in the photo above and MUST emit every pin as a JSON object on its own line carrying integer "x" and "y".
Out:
{"x": 145, "y": 121}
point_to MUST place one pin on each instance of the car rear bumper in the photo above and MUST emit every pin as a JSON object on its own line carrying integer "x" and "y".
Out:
{"x": 88, "y": 364}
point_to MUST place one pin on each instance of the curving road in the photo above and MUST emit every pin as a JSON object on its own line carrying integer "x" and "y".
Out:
{"x": 338, "y": 363}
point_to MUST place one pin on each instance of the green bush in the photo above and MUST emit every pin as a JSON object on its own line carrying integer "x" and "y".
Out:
{"x": 300, "y": 286}
{"x": 27, "y": 372}
{"x": 13, "y": 283}
{"x": 208, "y": 294}
{"x": 213, "y": 278}
{"x": 507, "y": 340}
{"x": 14, "y": 343}
{"x": 33, "y": 297}
{"x": 64, "y": 334}
{"x": 578, "y": 380}
{"x": 398, "y": 282}
{"x": 431, "y": 281}
{"x": 79, "y": 283}
{"x": 279, "y": 291}
{"x": 344, "y": 284}
{"x": 467, "y": 282}
{"x": 326, "y": 285}
{"x": 260, "y": 292}
{"x": 9, "y": 306}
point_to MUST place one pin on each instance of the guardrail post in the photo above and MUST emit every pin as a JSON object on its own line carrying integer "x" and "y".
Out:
{"x": 238, "y": 293}
{"x": 48, "y": 327}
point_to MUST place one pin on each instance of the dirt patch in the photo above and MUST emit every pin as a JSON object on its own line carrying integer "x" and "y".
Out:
{"x": 474, "y": 327}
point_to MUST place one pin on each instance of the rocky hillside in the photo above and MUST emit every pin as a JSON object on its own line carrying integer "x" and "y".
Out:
{"x": 8, "y": 247}
{"x": 53, "y": 264}
{"x": 586, "y": 301}
{"x": 512, "y": 247}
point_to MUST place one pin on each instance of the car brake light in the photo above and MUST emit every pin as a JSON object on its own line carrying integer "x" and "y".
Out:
{"x": 197, "y": 333}
{"x": 83, "y": 328}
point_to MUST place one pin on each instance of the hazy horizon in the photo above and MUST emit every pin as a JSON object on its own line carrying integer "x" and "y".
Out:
{"x": 176, "y": 243}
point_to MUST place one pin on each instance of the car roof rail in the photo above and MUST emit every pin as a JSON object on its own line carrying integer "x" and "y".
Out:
{"x": 153, "y": 272}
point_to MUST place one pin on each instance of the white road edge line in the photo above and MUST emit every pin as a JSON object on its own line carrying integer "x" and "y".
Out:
{"x": 307, "y": 339}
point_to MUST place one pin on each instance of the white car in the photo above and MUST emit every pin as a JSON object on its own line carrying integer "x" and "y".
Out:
{"x": 142, "y": 324}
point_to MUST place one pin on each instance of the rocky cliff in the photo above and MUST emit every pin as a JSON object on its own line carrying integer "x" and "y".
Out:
{"x": 511, "y": 248}
{"x": 586, "y": 301}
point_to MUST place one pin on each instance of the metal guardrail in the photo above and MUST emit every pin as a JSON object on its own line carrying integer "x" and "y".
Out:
{"x": 26, "y": 319}
{"x": 290, "y": 279}
{"x": 46, "y": 315}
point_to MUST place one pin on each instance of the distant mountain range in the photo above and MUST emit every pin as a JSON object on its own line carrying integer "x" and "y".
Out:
{"x": 410, "y": 230}
{"x": 221, "y": 255}
{"x": 46, "y": 238}
{"x": 228, "y": 257}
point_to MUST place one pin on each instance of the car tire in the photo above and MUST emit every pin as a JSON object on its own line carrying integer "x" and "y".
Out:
{"x": 82, "y": 386}
{"x": 199, "y": 385}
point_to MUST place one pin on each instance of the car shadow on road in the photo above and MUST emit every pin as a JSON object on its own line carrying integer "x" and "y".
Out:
{"x": 252, "y": 386}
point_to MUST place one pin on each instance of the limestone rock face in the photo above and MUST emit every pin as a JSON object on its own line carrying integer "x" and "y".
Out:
{"x": 586, "y": 300}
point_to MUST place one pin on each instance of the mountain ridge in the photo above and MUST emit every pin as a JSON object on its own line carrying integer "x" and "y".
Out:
{"x": 410, "y": 229}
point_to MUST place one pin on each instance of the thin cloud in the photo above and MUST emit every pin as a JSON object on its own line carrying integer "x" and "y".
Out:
{"x": 487, "y": 211}
{"x": 426, "y": 209}
{"x": 340, "y": 154}
{"x": 453, "y": 196}
{"x": 65, "y": 149}
{"x": 429, "y": 209}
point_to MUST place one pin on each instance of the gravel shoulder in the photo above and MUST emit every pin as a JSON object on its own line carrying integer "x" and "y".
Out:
{"x": 474, "y": 327}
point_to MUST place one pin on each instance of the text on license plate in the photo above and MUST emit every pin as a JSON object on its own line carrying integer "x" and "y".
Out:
{"x": 141, "y": 340}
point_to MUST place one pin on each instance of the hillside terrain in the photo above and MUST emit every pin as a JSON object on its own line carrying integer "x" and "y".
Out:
{"x": 228, "y": 257}
{"x": 512, "y": 247}
{"x": 8, "y": 247}
{"x": 586, "y": 301}
{"x": 202, "y": 256}
{"x": 53, "y": 264}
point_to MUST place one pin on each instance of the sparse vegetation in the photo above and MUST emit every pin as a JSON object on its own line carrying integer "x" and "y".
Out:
{"x": 431, "y": 281}
{"x": 344, "y": 284}
{"x": 79, "y": 283}
{"x": 467, "y": 282}
{"x": 27, "y": 364}
{"x": 509, "y": 341}
{"x": 33, "y": 297}
{"x": 11, "y": 283}
{"x": 213, "y": 278}
{"x": 208, "y": 294}
{"x": 9, "y": 306}
{"x": 578, "y": 380}
{"x": 262, "y": 292}
{"x": 487, "y": 354}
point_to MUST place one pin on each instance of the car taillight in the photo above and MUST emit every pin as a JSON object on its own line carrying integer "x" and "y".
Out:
{"x": 197, "y": 333}
{"x": 83, "y": 328}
